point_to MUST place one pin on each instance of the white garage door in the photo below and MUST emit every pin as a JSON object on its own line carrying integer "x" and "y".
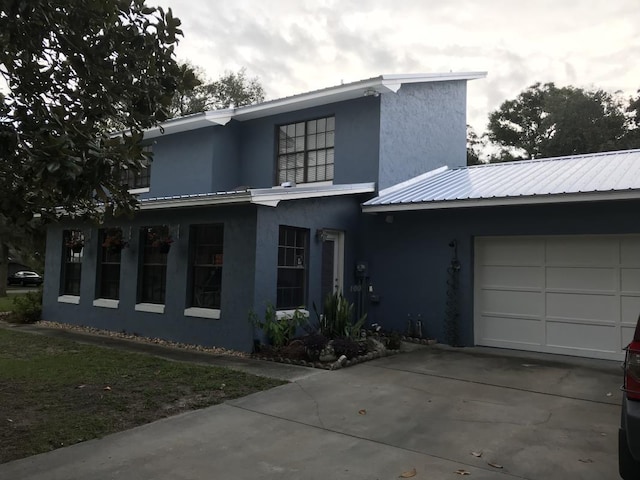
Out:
{"x": 575, "y": 295}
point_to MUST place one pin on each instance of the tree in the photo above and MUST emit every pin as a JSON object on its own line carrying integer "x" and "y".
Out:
{"x": 475, "y": 144}
{"x": 547, "y": 121}
{"x": 633, "y": 133}
{"x": 231, "y": 89}
{"x": 75, "y": 69}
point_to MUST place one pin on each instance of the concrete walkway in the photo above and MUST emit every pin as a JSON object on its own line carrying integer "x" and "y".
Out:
{"x": 525, "y": 415}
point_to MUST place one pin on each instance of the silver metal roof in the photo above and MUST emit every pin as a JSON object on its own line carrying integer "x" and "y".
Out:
{"x": 597, "y": 176}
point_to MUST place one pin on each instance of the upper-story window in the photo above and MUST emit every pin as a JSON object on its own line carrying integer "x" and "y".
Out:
{"x": 141, "y": 178}
{"x": 306, "y": 151}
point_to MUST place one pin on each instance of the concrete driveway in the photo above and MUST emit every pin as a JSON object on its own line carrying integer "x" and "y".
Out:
{"x": 525, "y": 415}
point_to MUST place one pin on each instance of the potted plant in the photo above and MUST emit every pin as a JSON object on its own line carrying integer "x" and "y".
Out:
{"x": 113, "y": 240}
{"x": 160, "y": 238}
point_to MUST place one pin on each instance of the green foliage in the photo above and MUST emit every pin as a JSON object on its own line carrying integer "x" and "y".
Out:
{"x": 279, "y": 331}
{"x": 475, "y": 144}
{"x": 336, "y": 319}
{"x": 28, "y": 308}
{"x": 77, "y": 70}
{"x": 231, "y": 89}
{"x": 547, "y": 121}
{"x": 346, "y": 346}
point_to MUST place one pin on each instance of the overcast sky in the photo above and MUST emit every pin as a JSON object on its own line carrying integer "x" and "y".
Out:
{"x": 295, "y": 46}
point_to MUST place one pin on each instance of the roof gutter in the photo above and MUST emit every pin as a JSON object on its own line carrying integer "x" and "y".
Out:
{"x": 506, "y": 201}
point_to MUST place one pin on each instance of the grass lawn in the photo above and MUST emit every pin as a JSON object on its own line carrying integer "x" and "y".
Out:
{"x": 55, "y": 392}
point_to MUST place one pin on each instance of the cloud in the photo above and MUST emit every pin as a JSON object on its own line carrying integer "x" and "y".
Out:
{"x": 295, "y": 45}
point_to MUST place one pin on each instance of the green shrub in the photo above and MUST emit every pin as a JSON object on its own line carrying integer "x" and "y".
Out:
{"x": 28, "y": 308}
{"x": 336, "y": 319}
{"x": 346, "y": 346}
{"x": 281, "y": 330}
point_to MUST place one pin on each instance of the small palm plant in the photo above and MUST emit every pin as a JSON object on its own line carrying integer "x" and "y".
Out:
{"x": 336, "y": 319}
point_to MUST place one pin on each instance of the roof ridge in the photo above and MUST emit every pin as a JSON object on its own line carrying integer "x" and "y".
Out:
{"x": 549, "y": 159}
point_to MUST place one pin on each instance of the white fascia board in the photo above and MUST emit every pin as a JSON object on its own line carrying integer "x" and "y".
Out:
{"x": 506, "y": 201}
{"x": 311, "y": 99}
{"x": 348, "y": 91}
{"x": 197, "y": 201}
{"x": 191, "y": 122}
{"x": 270, "y": 197}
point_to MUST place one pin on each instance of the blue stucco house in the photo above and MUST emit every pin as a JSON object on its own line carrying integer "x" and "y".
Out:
{"x": 263, "y": 204}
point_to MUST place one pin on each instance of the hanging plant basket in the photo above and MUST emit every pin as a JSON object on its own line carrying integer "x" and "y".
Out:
{"x": 113, "y": 241}
{"x": 165, "y": 247}
{"x": 77, "y": 247}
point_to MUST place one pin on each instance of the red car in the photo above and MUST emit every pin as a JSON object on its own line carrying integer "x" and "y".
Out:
{"x": 629, "y": 433}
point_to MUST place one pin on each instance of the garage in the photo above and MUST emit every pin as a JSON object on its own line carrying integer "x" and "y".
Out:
{"x": 575, "y": 295}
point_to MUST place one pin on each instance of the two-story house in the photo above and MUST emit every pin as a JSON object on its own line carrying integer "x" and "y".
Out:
{"x": 254, "y": 205}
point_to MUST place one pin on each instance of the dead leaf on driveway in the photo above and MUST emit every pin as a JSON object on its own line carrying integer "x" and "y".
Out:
{"x": 409, "y": 474}
{"x": 476, "y": 454}
{"x": 462, "y": 472}
{"x": 585, "y": 460}
{"x": 362, "y": 412}
{"x": 494, "y": 465}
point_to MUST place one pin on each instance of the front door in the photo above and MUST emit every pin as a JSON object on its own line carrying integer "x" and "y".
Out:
{"x": 332, "y": 262}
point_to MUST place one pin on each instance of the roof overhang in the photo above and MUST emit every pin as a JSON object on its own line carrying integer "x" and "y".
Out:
{"x": 371, "y": 87}
{"x": 349, "y": 91}
{"x": 190, "y": 122}
{"x": 504, "y": 201}
{"x": 270, "y": 197}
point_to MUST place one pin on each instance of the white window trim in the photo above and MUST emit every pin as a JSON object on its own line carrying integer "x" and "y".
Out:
{"x": 284, "y": 313}
{"x": 106, "y": 303}
{"x": 150, "y": 307}
{"x": 200, "y": 312}
{"x": 73, "y": 299}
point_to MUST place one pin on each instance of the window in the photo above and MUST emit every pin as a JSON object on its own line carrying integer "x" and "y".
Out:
{"x": 156, "y": 242}
{"x": 112, "y": 243}
{"x": 305, "y": 151}
{"x": 72, "y": 256}
{"x": 206, "y": 265}
{"x": 292, "y": 273}
{"x": 142, "y": 178}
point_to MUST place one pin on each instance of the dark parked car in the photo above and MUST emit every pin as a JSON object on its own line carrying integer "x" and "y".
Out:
{"x": 24, "y": 278}
{"x": 629, "y": 433}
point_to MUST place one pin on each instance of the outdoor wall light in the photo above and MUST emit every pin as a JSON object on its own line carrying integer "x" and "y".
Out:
{"x": 321, "y": 235}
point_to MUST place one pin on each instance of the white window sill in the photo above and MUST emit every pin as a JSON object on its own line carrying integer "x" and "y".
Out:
{"x": 137, "y": 191}
{"x": 106, "y": 303}
{"x": 149, "y": 307}
{"x": 289, "y": 313}
{"x": 74, "y": 299}
{"x": 213, "y": 313}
